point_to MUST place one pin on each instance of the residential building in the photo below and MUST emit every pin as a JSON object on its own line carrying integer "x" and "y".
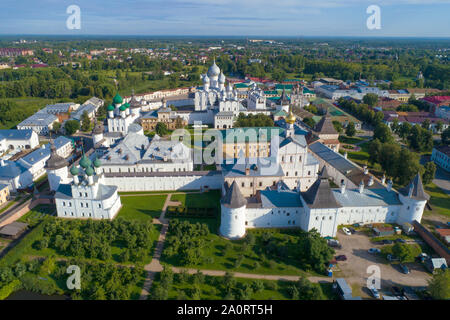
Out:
{"x": 441, "y": 156}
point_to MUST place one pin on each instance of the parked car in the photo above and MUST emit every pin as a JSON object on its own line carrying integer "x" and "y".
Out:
{"x": 404, "y": 268}
{"x": 352, "y": 230}
{"x": 346, "y": 231}
{"x": 374, "y": 250}
{"x": 334, "y": 243}
{"x": 390, "y": 257}
{"x": 421, "y": 257}
{"x": 386, "y": 241}
{"x": 400, "y": 240}
{"x": 374, "y": 292}
{"x": 356, "y": 225}
{"x": 341, "y": 257}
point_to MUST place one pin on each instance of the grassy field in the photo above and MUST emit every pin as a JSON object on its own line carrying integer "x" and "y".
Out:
{"x": 350, "y": 140}
{"x": 222, "y": 254}
{"x": 210, "y": 199}
{"x": 212, "y": 288}
{"x": 141, "y": 207}
{"x": 360, "y": 157}
{"x": 28, "y": 106}
{"x": 37, "y": 214}
{"x": 440, "y": 201}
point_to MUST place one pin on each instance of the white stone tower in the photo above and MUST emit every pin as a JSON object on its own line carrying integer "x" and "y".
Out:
{"x": 414, "y": 198}
{"x": 232, "y": 225}
{"x": 57, "y": 170}
{"x": 97, "y": 133}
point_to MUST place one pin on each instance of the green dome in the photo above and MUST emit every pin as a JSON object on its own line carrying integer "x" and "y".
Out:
{"x": 97, "y": 163}
{"x": 90, "y": 171}
{"x": 123, "y": 107}
{"x": 85, "y": 162}
{"x": 110, "y": 108}
{"x": 74, "y": 171}
{"x": 117, "y": 99}
{"x": 127, "y": 104}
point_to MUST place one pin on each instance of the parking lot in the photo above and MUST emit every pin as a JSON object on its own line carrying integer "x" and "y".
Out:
{"x": 354, "y": 269}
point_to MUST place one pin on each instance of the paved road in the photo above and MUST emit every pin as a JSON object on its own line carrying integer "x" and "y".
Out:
{"x": 221, "y": 273}
{"x": 155, "y": 265}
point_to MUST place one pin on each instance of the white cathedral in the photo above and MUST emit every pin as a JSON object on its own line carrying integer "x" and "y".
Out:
{"x": 82, "y": 194}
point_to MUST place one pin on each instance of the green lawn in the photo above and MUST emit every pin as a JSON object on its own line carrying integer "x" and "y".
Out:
{"x": 440, "y": 201}
{"x": 350, "y": 140}
{"x": 360, "y": 157}
{"x": 222, "y": 254}
{"x": 141, "y": 207}
{"x": 37, "y": 214}
{"x": 210, "y": 199}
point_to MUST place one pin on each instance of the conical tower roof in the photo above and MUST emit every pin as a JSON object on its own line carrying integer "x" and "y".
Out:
{"x": 319, "y": 195}
{"x": 418, "y": 191}
{"x": 233, "y": 198}
{"x": 55, "y": 161}
{"x": 325, "y": 125}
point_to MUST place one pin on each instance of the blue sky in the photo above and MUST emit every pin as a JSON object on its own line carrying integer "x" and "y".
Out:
{"x": 421, "y": 18}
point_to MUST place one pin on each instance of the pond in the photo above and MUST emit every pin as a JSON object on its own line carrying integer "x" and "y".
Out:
{"x": 29, "y": 295}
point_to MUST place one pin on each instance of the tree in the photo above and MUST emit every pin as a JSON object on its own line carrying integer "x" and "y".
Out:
{"x": 161, "y": 129}
{"x": 371, "y": 99}
{"x": 375, "y": 147}
{"x": 383, "y": 133}
{"x": 445, "y": 136}
{"x": 309, "y": 121}
{"x": 85, "y": 121}
{"x": 404, "y": 129}
{"x": 439, "y": 285}
{"x": 403, "y": 251}
{"x": 56, "y": 126}
{"x": 71, "y": 126}
{"x": 426, "y": 124}
{"x": 420, "y": 139}
{"x": 430, "y": 171}
{"x": 439, "y": 126}
{"x": 338, "y": 126}
{"x": 350, "y": 130}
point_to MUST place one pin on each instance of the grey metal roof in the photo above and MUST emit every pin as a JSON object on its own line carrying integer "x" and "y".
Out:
{"x": 369, "y": 197}
{"x": 233, "y": 197}
{"x": 320, "y": 195}
{"x": 350, "y": 170}
{"x": 39, "y": 119}
{"x": 43, "y": 152}
{"x": 325, "y": 126}
{"x": 13, "y": 228}
{"x": 11, "y": 169}
{"x": 128, "y": 151}
{"x": 344, "y": 286}
{"x": 280, "y": 199}
{"x": 15, "y": 134}
{"x": 258, "y": 167}
{"x": 416, "y": 185}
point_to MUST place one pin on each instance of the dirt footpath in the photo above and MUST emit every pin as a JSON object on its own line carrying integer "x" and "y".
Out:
{"x": 354, "y": 270}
